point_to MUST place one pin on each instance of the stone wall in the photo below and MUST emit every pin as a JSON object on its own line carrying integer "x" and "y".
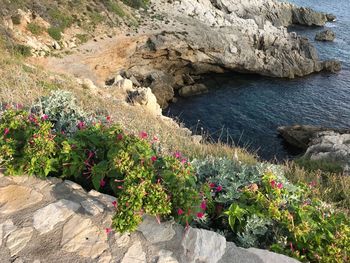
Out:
{"x": 57, "y": 221}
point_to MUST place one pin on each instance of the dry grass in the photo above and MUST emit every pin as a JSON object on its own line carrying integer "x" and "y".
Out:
{"x": 330, "y": 187}
{"x": 23, "y": 83}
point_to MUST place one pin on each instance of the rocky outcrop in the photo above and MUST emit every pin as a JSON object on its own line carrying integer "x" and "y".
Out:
{"x": 216, "y": 36}
{"x": 330, "y": 146}
{"x": 326, "y": 35}
{"x": 60, "y": 222}
{"x": 300, "y": 136}
{"x": 320, "y": 143}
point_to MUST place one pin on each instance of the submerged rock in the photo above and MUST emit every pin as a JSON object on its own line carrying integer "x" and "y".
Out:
{"x": 326, "y": 35}
{"x": 195, "y": 89}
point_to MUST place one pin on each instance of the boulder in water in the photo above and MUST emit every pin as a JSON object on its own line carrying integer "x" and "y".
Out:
{"x": 326, "y": 35}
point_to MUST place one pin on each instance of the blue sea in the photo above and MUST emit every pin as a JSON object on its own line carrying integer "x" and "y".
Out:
{"x": 245, "y": 110}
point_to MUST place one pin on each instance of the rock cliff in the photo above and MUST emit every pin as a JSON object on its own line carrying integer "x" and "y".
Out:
{"x": 219, "y": 36}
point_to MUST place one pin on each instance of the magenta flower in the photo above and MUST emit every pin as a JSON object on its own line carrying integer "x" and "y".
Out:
{"x": 143, "y": 135}
{"x": 114, "y": 203}
{"x": 219, "y": 188}
{"x": 155, "y": 139}
{"x": 203, "y": 205}
{"x": 120, "y": 137}
{"x": 200, "y": 215}
{"x": 153, "y": 159}
{"x": 81, "y": 125}
{"x": 180, "y": 211}
{"x": 273, "y": 183}
{"x": 108, "y": 230}
{"x": 108, "y": 118}
{"x": 102, "y": 183}
{"x": 6, "y": 131}
{"x": 184, "y": 161}
{"x": 177, "y": 155}
{"x": 44, "y": 117}
{"x": 279, "y": 185}
{"x": 212, "y": 185}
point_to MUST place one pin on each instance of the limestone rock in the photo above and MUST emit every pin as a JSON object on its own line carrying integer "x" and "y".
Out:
{"x": 166, "y": 256}
{"x": 144, "y": 97}
{"x": 270, "y": 257}
{"x": 47, "y": 217}
{"x": 135, "y": 254}
{"x": 326, "y": 35}
{"x": 331, "y": 146}
{"x": 195, "y": 89}
{"x": 14, "y": 198}
{"x": 6, "y": 229}
{"x": 83, "y": 237}
{"x": 155, "y": 232}
{"x": 332, "y": 65}
{"x": 203, "y": 246}
{"x": 18, "y": 239}
{"x": 92, "y": 207}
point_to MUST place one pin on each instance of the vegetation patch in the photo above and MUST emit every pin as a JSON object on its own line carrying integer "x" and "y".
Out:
{"x": 35, "y": 28}
{"x": 55, "y": 33}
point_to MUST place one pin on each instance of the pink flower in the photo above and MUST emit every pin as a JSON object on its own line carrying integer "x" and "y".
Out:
{"x": 279, "y": 185}
{"x": 44, "y": 117}
{"x": 273, "y": 183}
{"x": 114, "y": 203}
{"x": 183, "y": 161}
{"x": 312, "y": 184}
{"x": 219, "y": 188}
{"x": 120, "y": 137}
{"x": 212, "y": 185}
{"x": 6, "y": 131}
{"x": 108, "y": 118}
{"x": 153, "y": 159}
{"x": 177, "y": 155}
{"x": 81, "y": 125}
{"x": 102, "y": 183}
{"x": 143, "y": 135}
{"x": 32, "y": 118}
{"x": 180, "y": 211}
{"x": 203, "y": 205}
{"x": 200, "y": 215}
{"x": 155, "y": 139}
{"x": 108, "y": 230}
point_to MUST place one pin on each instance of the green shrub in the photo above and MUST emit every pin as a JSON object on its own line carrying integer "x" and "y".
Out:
{"x": 16, "y": 19}
{"x": 59, "y": 19}
{"x": 35, "y": 29}
{"x": 22, "y": 50}
{"x": 27, "y": 144}
{"x": 104, "y": 158}
{"x": 114, "y": 7}
{"x": 62, "y": 110}
{"x": 136, "y": 3}
{"x": 55, "y": 33}
{"x": 83, "y": 38}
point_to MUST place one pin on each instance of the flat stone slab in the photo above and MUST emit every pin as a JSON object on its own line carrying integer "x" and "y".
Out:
{"x": 155, "y": 232}
{"x": 83, "y": 237}
{"x": 203, "y": 246}
{"x": 47, "y": 217}
{"x": 18, "y": 240}
{"x": 6, "y": 229}
{"x": 15, "y": 197}
{"x": 135, "y": 254}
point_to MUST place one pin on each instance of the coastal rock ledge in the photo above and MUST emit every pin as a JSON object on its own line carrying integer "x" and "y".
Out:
{"x": 216, "y": 36}
{"x": 57, "y": 221}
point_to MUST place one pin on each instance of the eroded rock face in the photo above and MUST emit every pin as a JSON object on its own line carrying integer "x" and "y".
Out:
{"x": 326, "y": 35}
{"x": 220, "y": 36}
{"x": 332, "y": 146}
{"x": 320, "y": 143}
